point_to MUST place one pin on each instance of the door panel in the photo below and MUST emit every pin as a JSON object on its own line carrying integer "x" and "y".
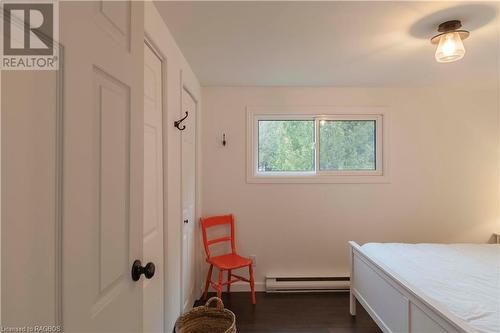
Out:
{"x": 188, "y": 201}
{"x": 153, "y": 312}
{"x": 112, "y": 114}
{"x": 102, "y": 165}
{"x": 113, "y": 17}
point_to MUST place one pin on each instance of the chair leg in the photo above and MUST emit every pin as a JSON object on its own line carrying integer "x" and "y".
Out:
{"x": 219, "y": 284}
{"x": 207, "y": 283}
{"x": 252, "y": 283}
{"x": 228, "y": 281}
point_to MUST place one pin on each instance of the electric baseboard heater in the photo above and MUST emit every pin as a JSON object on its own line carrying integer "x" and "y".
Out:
{"x": 307, "y": 284}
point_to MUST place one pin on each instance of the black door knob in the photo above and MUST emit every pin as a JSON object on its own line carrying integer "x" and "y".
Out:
{"x": 138, "y": 269}
{"x": 186, "y": 221}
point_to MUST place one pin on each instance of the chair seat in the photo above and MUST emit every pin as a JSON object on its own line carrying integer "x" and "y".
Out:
{"x": 229, "y": 261}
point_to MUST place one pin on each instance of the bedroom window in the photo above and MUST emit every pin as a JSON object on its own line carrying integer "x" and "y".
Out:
{"x": 319, "y": 148}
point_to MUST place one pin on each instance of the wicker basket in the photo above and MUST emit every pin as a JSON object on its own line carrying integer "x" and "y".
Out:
{"x": 204, "y": 319}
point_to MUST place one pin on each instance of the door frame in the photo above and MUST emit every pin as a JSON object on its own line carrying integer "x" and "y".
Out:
{"x": 1, "y": 191}
{"x": 177, "y": 76}
{"x": 59, "y": 188}
{"x": 185, "y": 87}
{"x": 148, "y": 40}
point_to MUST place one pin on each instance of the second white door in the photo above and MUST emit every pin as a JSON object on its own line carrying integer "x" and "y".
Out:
{"x": 188, "y": 201}
{"x": 153, "y": 312}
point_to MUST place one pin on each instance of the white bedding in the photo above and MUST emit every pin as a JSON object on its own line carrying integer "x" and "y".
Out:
{"x": 464, "y": 278}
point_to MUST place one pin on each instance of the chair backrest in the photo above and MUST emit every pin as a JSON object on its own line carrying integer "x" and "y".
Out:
{"x": 213, "y": 221}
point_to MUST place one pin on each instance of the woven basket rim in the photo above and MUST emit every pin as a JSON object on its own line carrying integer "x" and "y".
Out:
{"x": 204, "y": 310}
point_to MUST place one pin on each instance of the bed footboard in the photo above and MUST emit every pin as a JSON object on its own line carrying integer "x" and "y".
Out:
{"x": 393, "y": 305}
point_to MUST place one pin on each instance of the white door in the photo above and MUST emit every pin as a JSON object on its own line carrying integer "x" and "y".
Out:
{"x": 188, "y": 200}
{"x": 102, "y": 164}
{"x": 153, "y": 191}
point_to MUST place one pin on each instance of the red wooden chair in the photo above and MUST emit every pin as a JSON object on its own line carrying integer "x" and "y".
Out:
{"x": 226, "y": 262}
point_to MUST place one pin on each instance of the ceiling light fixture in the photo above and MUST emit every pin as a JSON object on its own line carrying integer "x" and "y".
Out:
{"x": 450, "y": 47}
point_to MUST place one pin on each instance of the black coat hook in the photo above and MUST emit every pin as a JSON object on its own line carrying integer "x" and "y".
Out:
{"x": 177, "y": 123}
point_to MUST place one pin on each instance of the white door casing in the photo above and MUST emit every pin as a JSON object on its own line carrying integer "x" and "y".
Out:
{"x": 188, "y": 170}
{"x": 102, "y": 165}
{"x": 153, "y": 242}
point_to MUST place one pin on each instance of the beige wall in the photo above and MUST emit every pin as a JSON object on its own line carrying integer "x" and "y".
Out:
{"x": 444, "y": 177}
{"x": 29, "y": 114}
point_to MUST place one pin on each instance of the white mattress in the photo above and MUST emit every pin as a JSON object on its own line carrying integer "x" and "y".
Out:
{"x": 464, "y": 278}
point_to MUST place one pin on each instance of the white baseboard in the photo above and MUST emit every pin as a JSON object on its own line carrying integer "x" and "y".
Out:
{"x": 242, "y": 287}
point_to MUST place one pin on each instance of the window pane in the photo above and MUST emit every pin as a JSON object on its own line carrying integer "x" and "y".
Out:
{"x": 347, "y": 145}
{"x": 286, "y": 145}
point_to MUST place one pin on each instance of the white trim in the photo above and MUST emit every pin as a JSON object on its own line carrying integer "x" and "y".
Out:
{"x": 318, "y": 113}
{"x": 436, "y": 314}
{"x": 58, "y": 280}
{"x": 197, "y": 184}
{"x": 185, "y": 87}
{"x": 163, "y": 60}
{"x": 1, "y": 191}
{"x": 161, "y": 53}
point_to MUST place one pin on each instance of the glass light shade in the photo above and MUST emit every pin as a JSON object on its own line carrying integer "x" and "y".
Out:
{"x": 450, "y": 48}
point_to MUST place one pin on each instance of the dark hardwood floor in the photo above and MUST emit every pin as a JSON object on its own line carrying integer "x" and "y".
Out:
{"x": 297, "y": 313}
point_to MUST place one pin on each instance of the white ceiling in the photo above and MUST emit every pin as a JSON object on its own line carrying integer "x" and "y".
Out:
{"x": 330, "y": 43}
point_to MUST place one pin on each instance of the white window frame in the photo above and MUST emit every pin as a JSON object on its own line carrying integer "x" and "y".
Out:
{"x": 378, "y": 114}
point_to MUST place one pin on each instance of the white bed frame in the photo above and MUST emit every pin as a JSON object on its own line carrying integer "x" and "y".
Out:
{"x": 395, "y": 305}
